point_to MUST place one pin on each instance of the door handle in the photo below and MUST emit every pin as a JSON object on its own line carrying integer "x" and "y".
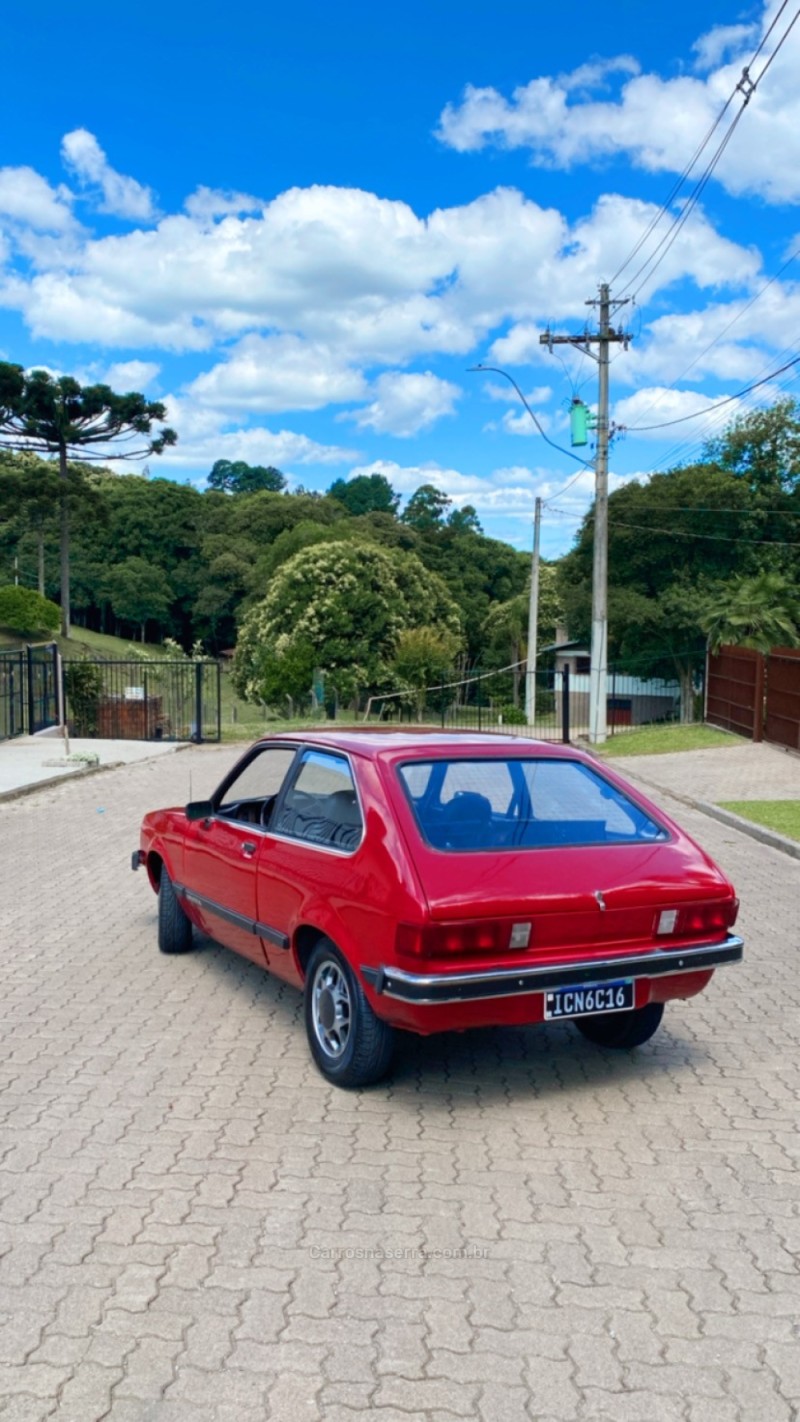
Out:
{"x": 248, "y": 849}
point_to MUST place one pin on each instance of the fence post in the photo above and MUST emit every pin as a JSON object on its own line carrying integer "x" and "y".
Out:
{"x": 31, "y": 697}
{"x": 565, "y": 704}
{"x": 758, "y": 697}
{"x": 198, "y": 702}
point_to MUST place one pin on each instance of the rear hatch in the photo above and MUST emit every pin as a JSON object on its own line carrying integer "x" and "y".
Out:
{"x": 574, "y": 899}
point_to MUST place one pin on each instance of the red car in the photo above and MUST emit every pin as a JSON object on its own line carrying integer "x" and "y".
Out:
{"x": 437, "y": 882}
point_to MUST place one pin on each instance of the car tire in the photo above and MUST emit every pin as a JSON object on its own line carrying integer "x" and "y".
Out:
{"x": 622, "y": 1029}
{"x": 174, "y": 928}
{"x": 350, "y": 1045}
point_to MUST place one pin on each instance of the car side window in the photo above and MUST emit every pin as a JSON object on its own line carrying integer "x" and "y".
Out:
{"x": 321, "y": 805}
{"x": 252, "y": 795}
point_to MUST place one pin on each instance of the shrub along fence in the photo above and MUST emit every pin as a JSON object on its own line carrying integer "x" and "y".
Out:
{"x": 158, "y": 700}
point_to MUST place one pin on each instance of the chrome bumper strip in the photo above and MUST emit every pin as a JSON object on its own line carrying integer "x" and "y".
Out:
{"x": 509, "y": 982}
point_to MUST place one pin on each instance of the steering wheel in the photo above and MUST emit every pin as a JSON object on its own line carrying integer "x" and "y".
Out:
{"x": 265, "y": 812}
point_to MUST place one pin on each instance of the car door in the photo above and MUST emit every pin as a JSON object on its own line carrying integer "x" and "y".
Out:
{"x": 222, "y": 852}
{"x": 310, "y": 854}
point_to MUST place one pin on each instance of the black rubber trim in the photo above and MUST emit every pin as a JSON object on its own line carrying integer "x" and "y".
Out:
{"x": 239, "y": 920}
{"x": 507, "y": 982}
{"x": 137, "y": 859}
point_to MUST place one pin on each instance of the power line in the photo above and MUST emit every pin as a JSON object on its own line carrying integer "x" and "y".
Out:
{"x": 747, "y": 87}
{"x": 681, "y": 533}
{"x": 678, "y": 184}
{"x": 775, "y": 277}
{"x": 681, "y": 419}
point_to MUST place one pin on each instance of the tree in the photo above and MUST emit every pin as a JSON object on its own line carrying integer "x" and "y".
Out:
{"x": 426, "y": 508}
{"x": 505, "y": 628}
{"x": 761, "y": 612}
{"x": 241, "y": 478}
{"x": 339, "y": 607}
{"x": 43, "y": 414}
{"x": 762, "y": 447}
{"x": 464, "y": 520}
{"x": 367, "y": 493}
{"x": 23, "y": 610}
{"x": 138, "y": 592}
{"x": 423, "y": 657}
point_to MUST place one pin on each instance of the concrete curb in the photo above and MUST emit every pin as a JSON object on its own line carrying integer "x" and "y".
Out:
{"x": 759, "y": 832}
{"x": 76, "y": 773}
{"x": 725, "y": 817}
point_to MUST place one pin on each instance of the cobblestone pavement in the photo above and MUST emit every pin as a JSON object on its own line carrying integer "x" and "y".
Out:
{"x": 740, "y": 771}
{"x": 196, "y": 1228}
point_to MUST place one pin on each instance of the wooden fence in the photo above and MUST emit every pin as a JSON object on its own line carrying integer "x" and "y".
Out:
{"x": 755, "y": 695}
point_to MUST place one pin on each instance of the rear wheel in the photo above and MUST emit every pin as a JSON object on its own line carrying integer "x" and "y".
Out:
{"x": 350, "y": 1045}
{"x": 174, "y": 928}
{"x": 622, "y": 1029}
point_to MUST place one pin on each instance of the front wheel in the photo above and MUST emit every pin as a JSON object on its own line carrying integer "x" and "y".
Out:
{"x": 350, "y": 1045}
{"x": 622, "y": 1029}
{"x": 174, "y": 928}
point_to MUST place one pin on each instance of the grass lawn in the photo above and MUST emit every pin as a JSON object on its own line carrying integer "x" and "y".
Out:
{"x": 659, "y": 740}
{"x": 82, "y": 641}
{"x": 783, "y": 816}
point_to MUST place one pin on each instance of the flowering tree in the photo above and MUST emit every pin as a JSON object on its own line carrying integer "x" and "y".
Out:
{"x": 340, "y": 607}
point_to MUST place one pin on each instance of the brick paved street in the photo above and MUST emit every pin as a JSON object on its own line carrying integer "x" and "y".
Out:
{"x": 196, "y": 1228}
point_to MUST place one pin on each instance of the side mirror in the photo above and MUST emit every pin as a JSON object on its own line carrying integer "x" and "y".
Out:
{"x": 199, "y": 810}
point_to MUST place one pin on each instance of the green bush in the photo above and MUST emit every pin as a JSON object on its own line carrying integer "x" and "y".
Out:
{"x": 83, "y": 682}
{"x": 23, "y": 610}
{"x": 513, "y": 715}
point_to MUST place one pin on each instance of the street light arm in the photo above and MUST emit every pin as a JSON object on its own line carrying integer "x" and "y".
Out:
{"x": 495, "y": 370}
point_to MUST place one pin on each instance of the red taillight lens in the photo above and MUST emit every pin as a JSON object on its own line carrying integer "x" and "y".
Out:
{"x": 707, "y": 918}
{"x": 448, "y": 940}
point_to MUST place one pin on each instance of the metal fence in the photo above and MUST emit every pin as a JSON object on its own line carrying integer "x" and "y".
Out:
{"x": 483, "y": 701}
{"x": 12, "y": 694}
{"x": 144, "y": 701}
{"x": 496, "y": 701}
{"x": 28, "y": 690}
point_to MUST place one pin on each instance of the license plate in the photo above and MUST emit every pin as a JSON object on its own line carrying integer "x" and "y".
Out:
{"x": 589, "y": 1000}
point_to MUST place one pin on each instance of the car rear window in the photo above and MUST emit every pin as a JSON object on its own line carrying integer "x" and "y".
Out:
{"x": 521, "y": 803}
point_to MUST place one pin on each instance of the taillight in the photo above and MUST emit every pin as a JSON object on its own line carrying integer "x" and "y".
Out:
{"x": 447, "y": 940}
{"x": 707, "y": 918}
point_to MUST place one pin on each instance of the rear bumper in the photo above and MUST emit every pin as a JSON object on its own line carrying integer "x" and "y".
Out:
{"x": 441, "y": 988}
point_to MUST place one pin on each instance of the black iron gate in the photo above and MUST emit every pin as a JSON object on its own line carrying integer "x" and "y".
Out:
{"x": 144, "y": 701}
{"x": 28, "y": 690}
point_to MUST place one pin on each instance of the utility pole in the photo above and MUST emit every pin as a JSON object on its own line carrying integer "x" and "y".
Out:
{"x": 533, "y": 620}
{"x": 604, "y": 337}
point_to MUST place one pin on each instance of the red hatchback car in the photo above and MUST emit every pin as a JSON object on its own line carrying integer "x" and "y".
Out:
{"x": 435, "y": 882}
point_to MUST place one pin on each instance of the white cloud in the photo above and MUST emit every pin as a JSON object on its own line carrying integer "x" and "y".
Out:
{"x": 270, "y": 373}
{"x": 659, "y": 405}
{"x": 538, "y": 396}
{"x": 127, "y": 375}
{"x": 710, "y": 49}
{"x": 205, "y": 436}
{"x": 27, "y": 198}
{"x": 655, "y": 122}
{"x": 405, "y": 404}
{"x": 121, "y": 196}
{"x": 347, "y": 271}
{"x": 209, "y": 203}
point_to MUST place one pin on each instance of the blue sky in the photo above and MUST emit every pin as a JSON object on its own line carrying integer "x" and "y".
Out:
{"x": 299, "y": 226}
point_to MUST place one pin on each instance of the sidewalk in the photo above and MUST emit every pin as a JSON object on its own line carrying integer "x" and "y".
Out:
{"x": 27, "y": 762}
{"x": 704, "y": 778}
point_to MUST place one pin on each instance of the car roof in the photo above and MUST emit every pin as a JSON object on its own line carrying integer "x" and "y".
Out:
{"x": 379, "y": 744}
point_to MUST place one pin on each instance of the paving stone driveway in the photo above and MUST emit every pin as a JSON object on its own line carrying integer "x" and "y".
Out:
{"x": 196, "y": 1228}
